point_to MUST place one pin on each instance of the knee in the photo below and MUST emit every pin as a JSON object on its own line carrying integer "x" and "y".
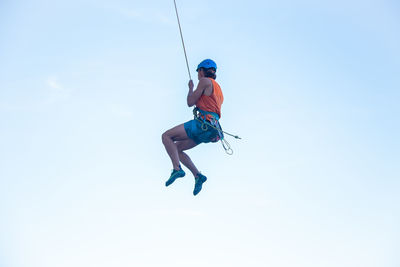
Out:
{"x": 164, "y": 137}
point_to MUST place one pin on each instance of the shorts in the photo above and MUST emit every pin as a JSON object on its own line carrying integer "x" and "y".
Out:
{"x": 196, "y": 133}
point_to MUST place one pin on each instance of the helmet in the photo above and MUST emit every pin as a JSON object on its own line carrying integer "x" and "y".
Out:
{"x": 207, "y": 63}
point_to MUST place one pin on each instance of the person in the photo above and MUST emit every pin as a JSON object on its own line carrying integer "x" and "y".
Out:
{"x": 208, "y": 99}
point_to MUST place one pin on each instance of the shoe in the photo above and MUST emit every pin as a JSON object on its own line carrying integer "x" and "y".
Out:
{"x": 199, "y": 183}
{"x": 175, "y": 175}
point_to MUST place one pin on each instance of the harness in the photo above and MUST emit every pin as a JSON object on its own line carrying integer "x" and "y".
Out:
{"x": 213, "y": 122}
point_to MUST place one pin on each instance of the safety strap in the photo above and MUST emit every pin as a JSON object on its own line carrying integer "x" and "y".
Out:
{"x": 201, "y": 116}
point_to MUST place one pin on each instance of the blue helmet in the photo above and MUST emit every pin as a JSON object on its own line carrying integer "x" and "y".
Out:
{"x": 207, "y": 63}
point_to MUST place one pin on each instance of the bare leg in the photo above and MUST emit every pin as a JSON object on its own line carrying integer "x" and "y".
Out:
{"x": 184, "y": 158}
{"x": 169, "y": 138}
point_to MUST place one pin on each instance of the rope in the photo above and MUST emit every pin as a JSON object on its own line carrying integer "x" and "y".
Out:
{"x": 183, "y": 43}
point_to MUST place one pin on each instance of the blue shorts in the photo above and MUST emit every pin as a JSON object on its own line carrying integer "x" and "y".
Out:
{"x": 194, "y": 132}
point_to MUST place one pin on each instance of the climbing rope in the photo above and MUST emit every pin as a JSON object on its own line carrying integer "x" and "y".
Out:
{"x": 183, "y": 43}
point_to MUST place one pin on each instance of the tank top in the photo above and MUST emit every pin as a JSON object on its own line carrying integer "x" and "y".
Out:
{"x": 213, "y": 102}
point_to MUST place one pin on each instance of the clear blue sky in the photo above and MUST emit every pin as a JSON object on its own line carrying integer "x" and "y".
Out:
{"x": 87, "y": 88}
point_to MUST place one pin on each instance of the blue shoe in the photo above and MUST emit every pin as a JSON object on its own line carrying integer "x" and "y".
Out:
{"x": 199, "y": 183}
{"x": 174, "y": 175}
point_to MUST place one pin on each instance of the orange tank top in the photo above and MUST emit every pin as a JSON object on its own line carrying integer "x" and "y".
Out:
{"x": 213, "y": 102}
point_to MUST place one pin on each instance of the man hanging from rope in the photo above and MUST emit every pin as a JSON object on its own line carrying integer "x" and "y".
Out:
{"x": 208, "y": 99}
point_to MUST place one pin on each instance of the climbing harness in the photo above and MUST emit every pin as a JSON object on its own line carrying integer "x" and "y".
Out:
{"x": 183, "y": 43}
{"x": 213, "y": 122}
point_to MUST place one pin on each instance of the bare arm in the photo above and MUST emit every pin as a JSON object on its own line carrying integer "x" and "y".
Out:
{"x": 193, "y": 96}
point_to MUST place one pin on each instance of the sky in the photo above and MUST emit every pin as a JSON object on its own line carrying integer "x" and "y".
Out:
{"x": 88, "y": 87}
